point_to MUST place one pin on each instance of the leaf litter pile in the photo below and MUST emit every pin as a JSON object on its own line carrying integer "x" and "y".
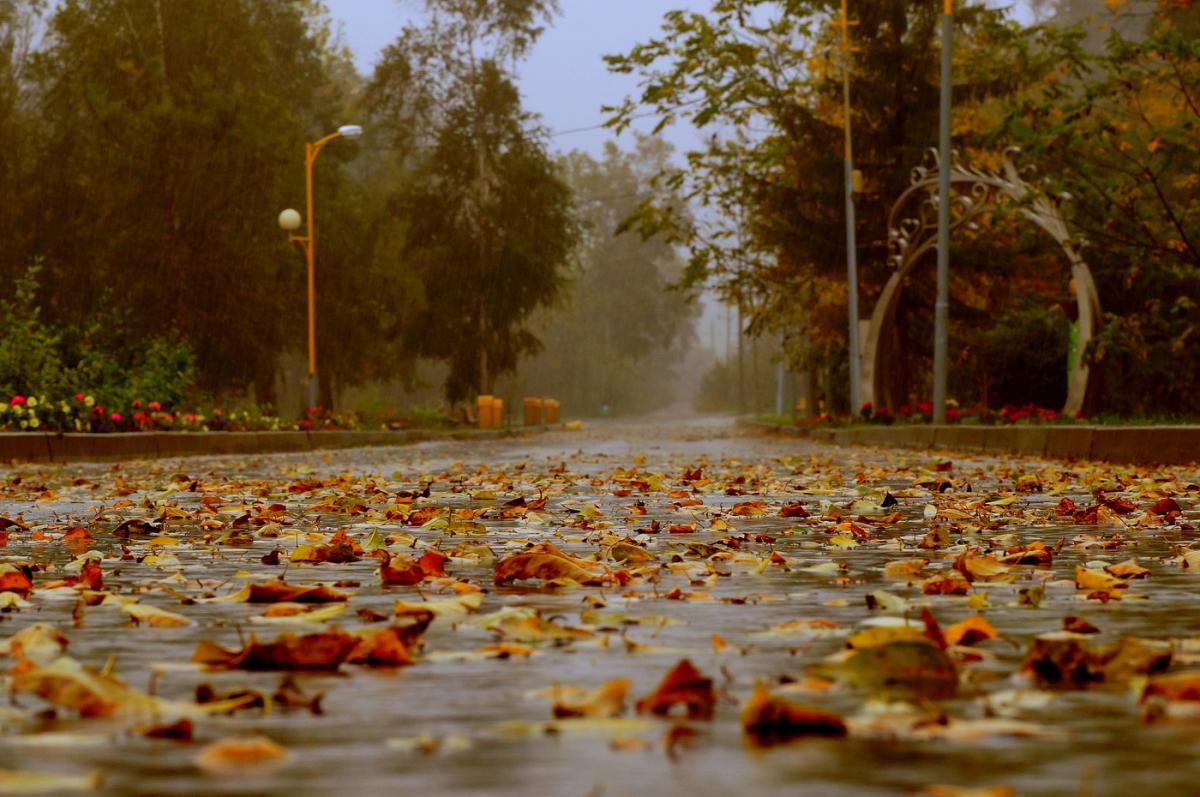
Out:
{"x": 520, "y": 618}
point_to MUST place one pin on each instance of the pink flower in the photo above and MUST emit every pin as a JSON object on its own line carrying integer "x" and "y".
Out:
{"x": 17, "y": 401}
{"x": 116, "y": 417}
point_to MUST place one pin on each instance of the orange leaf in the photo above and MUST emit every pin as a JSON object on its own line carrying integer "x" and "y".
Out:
{"x": 394, "y": 645}
{"x": 320, "y": 651}
{"x": 279, "y": 592}
{"x": 15, "y": 581}
{"x": 683, "y": 684}
{"x": 91, "y": 576}
{"x": 241, "y": 753}
{"x": 400, "y": 569}
{"x": 970, "y": 631}
{"x": 432, "y": 563}
{"x": 544, "y": 562}
{"x": 770, "y": 720}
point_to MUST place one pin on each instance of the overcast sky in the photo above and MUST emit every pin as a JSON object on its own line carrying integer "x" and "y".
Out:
{"x": 564, "y": 80}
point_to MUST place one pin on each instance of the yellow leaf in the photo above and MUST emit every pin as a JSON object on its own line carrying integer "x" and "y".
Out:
{"x": 154, "y": 616}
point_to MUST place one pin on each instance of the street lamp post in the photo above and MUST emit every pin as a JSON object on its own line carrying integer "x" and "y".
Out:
{"x": 289, "y": 220}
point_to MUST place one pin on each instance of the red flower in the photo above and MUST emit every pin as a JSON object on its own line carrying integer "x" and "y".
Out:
{"x": 925, "y": 407}
{"x": 952, "y": 415}
{"x": 154, "y": 406}
{"x": 137, "y": 404}
{"x": 17, "y": 401}
{"x": 79, "y": 397}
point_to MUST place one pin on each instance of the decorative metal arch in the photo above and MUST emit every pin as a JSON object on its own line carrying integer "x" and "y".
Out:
{"x": 912, "y": 231}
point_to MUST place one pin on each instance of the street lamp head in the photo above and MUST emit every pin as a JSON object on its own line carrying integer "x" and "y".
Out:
{"x": 350, "y": 131}
{"x": 289, "y": 220}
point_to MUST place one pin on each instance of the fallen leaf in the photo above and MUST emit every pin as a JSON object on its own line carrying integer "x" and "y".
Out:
{"x": 970, "y": 631}
{"x": 606, "y": 700}
{"x": 240, "y": 755}
{"x": 685, "y": 685}
{"x": 325, "y": 650}
{"x": 547, "y": 564}
{"x": 770, "y": 720}
{"x": 1066, "y": 661}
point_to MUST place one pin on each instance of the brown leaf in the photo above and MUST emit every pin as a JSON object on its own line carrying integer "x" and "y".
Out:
{"x": 393, "y": 645}
{"x": 1177, "y": 686}
{"x": 1165, "y": 506}
{"x": 398, "y": 568}
{"x": 15, "y": 581}
{"x": 325, "y": 650}
{"x": 683, "y": 684}
{"x": 90, "y": 575}
{"x": 793, "y": 510}
{"x": 606, "y": 700}
{"x": 1077, "y": 625}
{"x": 544, "y": 562}
{"x": 769, "y": 720}
{"x": 1127, "y": 569}
{"x": 945, "y": 584}
{"x": 178, "y": 731}
{"x": 280, "y": 592}
{"x": 1068, "y": 662}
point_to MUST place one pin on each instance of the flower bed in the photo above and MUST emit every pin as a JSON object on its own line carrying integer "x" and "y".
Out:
{"x": 82, "y": 413}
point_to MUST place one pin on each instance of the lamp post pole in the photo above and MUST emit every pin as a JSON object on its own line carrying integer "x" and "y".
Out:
{"x": 941, "y": 307}
{"x": 289, "y": 220}
{"x": 851, "y": 244}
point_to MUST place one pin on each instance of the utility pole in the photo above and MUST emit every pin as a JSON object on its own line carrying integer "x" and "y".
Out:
{"x": 851, "y": 243}
{"x": 942, "y": 306}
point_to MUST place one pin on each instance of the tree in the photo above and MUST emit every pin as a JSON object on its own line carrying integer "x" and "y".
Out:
{"x": 1120, "y": 137}
{"x": 172, "y": 133}
{"x": 764, "y": 79}
{"x": 617, "y": 337}
{"x": 488, "y": 216}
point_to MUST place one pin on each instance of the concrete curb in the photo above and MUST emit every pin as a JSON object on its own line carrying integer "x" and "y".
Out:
{"x": 121, "y": 446}
{"x": 1146, "y": 445}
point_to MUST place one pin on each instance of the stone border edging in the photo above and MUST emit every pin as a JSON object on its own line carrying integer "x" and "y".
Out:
{"x": 1147, "y": 445}
{"x": 116, "y": 446}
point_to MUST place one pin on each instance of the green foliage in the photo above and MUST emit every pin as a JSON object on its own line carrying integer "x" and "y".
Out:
{"x": 30, "y": 362}
{"x": 770, "y": 235}
{"x": 1020, "y": 358}
{"x": 1118, "y": 135}
{"x": 488, "y": 216}
{"x": 613, "y": 345}
{"x": 38, "y": 359}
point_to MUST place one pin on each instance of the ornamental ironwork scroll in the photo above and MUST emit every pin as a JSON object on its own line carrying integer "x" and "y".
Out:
{"x": 912, "y": 232}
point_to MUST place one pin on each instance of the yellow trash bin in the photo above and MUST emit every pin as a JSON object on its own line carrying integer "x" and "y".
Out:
{"x": 483, "y": 406}
{"x": 533, "y": 412}
{"x": 551, "y": 410}
{"x": 497, "y": 413}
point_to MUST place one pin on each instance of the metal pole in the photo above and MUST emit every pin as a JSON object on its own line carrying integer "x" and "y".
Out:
{"x": 310, "y": 155}
{"x": 942, "y": 306}
{"x": 851, "y": 244}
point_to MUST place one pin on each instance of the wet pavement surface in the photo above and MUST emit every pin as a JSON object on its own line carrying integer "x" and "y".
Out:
{"x": 723, "y": 579}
